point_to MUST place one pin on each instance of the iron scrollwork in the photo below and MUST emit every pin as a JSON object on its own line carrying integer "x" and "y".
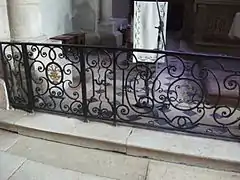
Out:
{"x": 177, "y": 92}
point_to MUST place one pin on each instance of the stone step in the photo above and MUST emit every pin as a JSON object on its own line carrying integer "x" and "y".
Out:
{"x": 169, "y": 147}
{"x": 25, "y": 158}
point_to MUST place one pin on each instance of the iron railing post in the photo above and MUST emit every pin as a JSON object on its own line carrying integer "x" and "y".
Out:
{"x": 84, "y": 87}
{"x": 28, "y": 78}
{"x": 114, "y": 89}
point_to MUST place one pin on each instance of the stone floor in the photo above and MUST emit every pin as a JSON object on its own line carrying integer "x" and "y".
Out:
{"x": 25, "y": 158}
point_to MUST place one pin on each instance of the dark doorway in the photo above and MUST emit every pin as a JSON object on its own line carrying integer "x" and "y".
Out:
{"x": 175, "y": 16}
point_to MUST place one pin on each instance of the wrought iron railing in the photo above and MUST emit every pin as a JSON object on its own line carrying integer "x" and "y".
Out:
{"x": 180, "y": 92}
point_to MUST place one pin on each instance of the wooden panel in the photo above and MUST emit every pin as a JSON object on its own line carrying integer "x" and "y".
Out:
{"x": 213, "y": 22}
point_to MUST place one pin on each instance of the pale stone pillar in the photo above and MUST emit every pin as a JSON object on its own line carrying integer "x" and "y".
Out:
{"x": 105, "y": 10}
{"x": 24, "y": 19}
{"x": 4, "y": 30}
{"x": 107, "y": 28}
{"x": 4, "y": 27}
{"x": 106, "y": 23}
{"x": 26, "y": 25}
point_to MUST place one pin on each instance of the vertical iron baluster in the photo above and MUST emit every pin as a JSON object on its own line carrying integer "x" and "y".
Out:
{"x": 28, "y": 78}
{"x": 83, "y": 82}
{"x": 114, "y": 89}
{"x": 146, "y": 84}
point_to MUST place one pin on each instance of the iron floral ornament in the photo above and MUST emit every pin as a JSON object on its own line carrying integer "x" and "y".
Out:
{"x": 54, "y": 73}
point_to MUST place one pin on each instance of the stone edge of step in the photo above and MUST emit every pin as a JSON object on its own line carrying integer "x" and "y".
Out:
{"x": 145, "y": 151}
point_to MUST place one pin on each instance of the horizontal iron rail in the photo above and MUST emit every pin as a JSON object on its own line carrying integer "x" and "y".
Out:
{"x": 123, "y": 49}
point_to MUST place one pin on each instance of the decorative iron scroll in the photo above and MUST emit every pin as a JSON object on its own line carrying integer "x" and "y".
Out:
{"x": 191, "y": 93}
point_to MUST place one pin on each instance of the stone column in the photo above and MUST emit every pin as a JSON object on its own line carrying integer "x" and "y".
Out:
{"x": 26, "y": 25}
{"x": 4, "y": 30}
{"x": 4, "y": 27}
{"x": 105, "y": 10}
{"x": 107, "y": 29}
{"x": 24, "y": 19}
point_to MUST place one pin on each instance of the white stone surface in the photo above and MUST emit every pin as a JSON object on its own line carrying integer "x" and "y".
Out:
{"x": 31, "y": 170}
{"x": 4, "y": 102}
{"x": 11, "y": 116}
{"x": 184, "y": 145}
{"x": 169, "y": 171}
{"x": 93, "y": 135}
{"x": 4, "y": 24}
{"x": 7, "y": 140}
{"x": 105, "y": 164}
{"x": 48, "y": 122}
{"x": 8, "y": 118}
{"x": 202, "y": 152}
{"x": 9, "y": 164}
{"x": 28, "y": 22}
{"x": 110, "y": 133}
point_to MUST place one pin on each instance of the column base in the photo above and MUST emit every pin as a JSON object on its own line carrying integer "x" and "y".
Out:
{"x": 114, "y": 39}
{"x": 109, "y": 35}
{"x": 107, "y": 26}
{"x": 92, "y": 38}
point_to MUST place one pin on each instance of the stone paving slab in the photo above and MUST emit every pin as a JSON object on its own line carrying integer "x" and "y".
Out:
{"x": 45, "y": 160}
{"x": 32, "y": 170}
{"x": 37, "y": 171}
{"x": 9, "y": 164}
{"x": 101, "y": 163}
{"x": 168, "y": 171}
{"x": 7, "y": 140}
